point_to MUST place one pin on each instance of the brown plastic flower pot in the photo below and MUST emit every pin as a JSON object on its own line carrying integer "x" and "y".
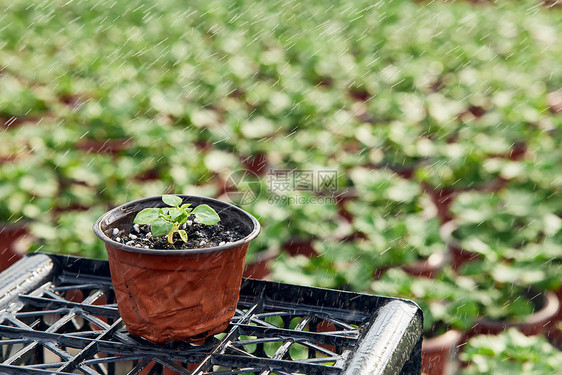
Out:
{"x": 535, "y": 324}
{"x": 172, "y": 295}
{"x": 300, "y": 246}
{"x": 108, "y": 146}
{"x": 10, "y": 234}
{"x": 442, "y": 198}
{"x": 554, "y": 336}
{"x": 256, "y": 164}
{"x": 428, "y": 267}
{"x": 403, "y": 171}
{"x": 439, "y": 353}
{"x": 554, "y": 328}
{"x": 342, "y": 199}
{"x": 261, "y": 267}
{"x": 458, "y": 256}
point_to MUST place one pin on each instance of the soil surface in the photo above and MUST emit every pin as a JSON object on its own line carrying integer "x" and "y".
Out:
{"x": 198, "y": 236}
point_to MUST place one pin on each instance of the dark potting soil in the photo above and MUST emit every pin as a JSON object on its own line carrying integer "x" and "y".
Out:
{"x": 198, "y": 236}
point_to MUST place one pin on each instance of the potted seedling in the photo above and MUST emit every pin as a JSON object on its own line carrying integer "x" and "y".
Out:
{"x": 267, "y": 246}
{"x": 510, "y": 352}
{"x": 13, "y": 226}
{"x": 11, "y": 235}
{"x": 262, "y": 254}
{"x": 20, "y": 102}
{"x": 498, "y": 225}
{"x": 252, "y": 154}
{"x": 355, "y": 263}
{"x": 104, "y": 125}
{"x": 507, "y": 296}
{"x": 424, "y": 250}
{"x": 410, "y": 241}
{"x": 406, "y": 148}
{"x": 379, "y": 189}
{"x": 15, "y": 145}
{"x": 383, "y": 189}
{"x": 176, "y": 264}
{"x": 27, "y": 192}
{"x": 448, "y": 312}
{"x": 511, "y": 239}
{"x": 69, "y": 233}
{"x": 396, "y": 219}
{"x": 454, "y": 170}
{"x": 306, "y": 218}
{"x": 496, "y": 142}
{"x": 319, "y": 271}
{"x": 554, "y": 333}
{"x": 544, "y": 262}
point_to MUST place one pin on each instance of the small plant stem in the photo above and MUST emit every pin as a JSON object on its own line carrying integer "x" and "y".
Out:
{"x": 171, "y": 234}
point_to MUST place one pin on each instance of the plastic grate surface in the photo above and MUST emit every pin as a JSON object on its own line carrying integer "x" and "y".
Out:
{"x": 69, "y": 324}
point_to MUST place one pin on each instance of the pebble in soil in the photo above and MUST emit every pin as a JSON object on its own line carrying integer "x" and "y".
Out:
{"x": 198, "y": 236}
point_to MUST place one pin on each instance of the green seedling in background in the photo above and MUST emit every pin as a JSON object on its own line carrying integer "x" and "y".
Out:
{"x": 167, "y": 220}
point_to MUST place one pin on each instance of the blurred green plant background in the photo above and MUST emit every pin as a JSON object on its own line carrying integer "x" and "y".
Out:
{"x": 425, "y": 113}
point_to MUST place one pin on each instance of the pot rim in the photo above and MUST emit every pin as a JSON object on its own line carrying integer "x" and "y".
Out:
{"x": 542, "y": 316}
{"x": 13, "y": 226}
{"x": 127, "y": 207}
{"x": 433, "y": 263}
{"x": 446, "y": 232}
{"x": 446, "y": 340}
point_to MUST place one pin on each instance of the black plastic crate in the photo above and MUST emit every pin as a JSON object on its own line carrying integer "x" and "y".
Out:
{"x": 59, "y": 316}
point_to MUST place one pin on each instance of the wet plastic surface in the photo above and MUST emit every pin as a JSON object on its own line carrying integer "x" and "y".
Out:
{"x": 59, "y": 316}
{"x": 167, "y": 298}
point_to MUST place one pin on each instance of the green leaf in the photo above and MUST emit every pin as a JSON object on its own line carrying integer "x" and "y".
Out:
{"x": 185, "y": 207}
{"x": 175, "y": 214}
{"x": 183, "y": 235}
{"x": 161, "y": 227}
{"x": 206, "y": 215}
{"x": 147, "y": 216}
{"x": 172, "y": 200}
{"x": 182, "y": 219}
